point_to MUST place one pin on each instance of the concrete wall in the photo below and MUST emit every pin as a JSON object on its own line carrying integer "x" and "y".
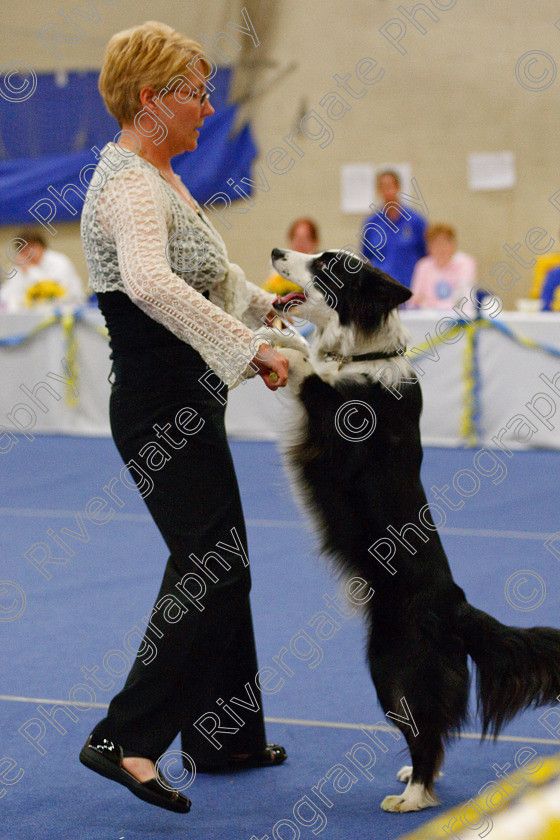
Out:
{"x": 480, "y": 77}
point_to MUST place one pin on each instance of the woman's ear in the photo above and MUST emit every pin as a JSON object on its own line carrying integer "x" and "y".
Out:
{"x": 147, "y": 95}
{"x": 151, "y": 100}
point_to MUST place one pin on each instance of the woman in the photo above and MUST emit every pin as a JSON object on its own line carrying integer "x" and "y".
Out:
{"x": 303, "y": 236}
{"x": 41, "y": 276}
{"x": 445, "y": 276}
{"x": 177, "y": 312}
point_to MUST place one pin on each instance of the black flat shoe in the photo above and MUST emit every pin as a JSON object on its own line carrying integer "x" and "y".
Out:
{"x": 106, "y": 759}
{"x": 271, "y": 755}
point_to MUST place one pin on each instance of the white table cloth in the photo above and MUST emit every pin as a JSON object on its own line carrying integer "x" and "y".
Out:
{"x": 508, "y": 380}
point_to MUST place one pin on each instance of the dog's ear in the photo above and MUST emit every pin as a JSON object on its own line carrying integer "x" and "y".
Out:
{"x": 360, "y": 294}
{"x": 372, "y": 295}
{"x": 370, "y": 284}
{"x": 388, "y": 292}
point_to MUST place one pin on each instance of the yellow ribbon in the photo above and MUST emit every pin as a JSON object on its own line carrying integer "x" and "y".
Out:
{"x": 468, "y": 430}
{"x": 68, "y": 322}
{"x": 468, "y": 422}
{"x": 435, "y": 342}
{"x": 48, "y": 322}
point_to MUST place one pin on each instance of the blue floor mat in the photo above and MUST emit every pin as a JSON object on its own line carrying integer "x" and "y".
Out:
{"x": 62, "y": 619}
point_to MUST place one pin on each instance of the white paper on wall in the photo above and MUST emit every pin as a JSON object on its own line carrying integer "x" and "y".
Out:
{"x": 357, "y": 184}
{"x": 491, "y": 170}
{"x": 356, "y": 187}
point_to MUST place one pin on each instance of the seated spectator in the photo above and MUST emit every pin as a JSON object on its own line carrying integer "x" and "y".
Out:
{"x": 393, "y": 238}
{"x": 441, "y": 279}
{"x": 303, "y": 236}
{"x": 542, "y": 267}
{"x": 550, "y": 294}
{"x": 42, "y": 276}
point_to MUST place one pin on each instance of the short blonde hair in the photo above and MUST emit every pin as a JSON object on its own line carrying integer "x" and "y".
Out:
{"x": 149, "y": 55}
{"x": 440, "y": 229}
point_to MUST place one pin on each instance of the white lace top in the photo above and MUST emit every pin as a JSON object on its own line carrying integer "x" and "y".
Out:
{"x": 140, "y": 237}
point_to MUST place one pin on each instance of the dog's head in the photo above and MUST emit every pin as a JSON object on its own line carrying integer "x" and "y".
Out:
{"x": 341, "y": 282}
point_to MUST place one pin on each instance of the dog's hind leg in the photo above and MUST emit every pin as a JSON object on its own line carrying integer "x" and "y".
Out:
{"x": 424, "y": 692}
{"x": 410, "y": 703}
{"x": 405, "y": 774}
{"x": 427, "y": 756}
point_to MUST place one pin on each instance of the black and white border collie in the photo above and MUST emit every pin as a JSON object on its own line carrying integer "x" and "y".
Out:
{"x": 362, "y": 489}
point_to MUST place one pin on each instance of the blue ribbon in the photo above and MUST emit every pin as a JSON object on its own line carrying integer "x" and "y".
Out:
{"x": 55, "y": 318}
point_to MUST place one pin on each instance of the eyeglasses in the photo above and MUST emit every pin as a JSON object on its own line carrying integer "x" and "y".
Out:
{"x": 202, "y": 97}
{"x": 195, "y": 95}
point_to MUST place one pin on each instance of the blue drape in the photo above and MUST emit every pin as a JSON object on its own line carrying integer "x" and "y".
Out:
{"x": 48, "y": 139}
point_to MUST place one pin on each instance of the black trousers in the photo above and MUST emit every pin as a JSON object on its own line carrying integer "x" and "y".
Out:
{"x": 203, "y": 655}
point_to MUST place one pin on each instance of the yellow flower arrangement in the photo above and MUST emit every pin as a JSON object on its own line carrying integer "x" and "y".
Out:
{"x": 44, "y": 291}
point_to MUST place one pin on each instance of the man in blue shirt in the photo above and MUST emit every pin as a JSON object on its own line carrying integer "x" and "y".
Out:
{"x": 393, "y": 238}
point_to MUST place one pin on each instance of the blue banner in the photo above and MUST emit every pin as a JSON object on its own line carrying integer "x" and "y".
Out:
{"x": 47, "y": 140}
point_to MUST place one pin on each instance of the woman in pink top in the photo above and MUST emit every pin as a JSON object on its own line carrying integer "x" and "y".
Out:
{"x": 441, "y": 279}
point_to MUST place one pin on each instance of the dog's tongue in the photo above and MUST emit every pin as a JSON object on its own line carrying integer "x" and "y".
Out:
{"x": 283, "y": 301}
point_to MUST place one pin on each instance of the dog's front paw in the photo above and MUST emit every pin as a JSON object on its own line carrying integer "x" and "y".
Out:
{"x": 285, "y": 338}
{"x": 299, "y": 370}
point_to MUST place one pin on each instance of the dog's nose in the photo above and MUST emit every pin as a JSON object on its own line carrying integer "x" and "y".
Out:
{"x": 277, "y": 253}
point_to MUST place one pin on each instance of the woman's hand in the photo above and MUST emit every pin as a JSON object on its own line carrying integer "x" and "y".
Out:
{"x": 272, "y": 366}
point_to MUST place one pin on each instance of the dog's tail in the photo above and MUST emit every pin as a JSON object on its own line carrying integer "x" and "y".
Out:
{"x": 516, "y": 668}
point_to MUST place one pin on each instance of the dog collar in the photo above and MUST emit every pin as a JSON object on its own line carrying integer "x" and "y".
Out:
{"x": 363, "y": 357}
